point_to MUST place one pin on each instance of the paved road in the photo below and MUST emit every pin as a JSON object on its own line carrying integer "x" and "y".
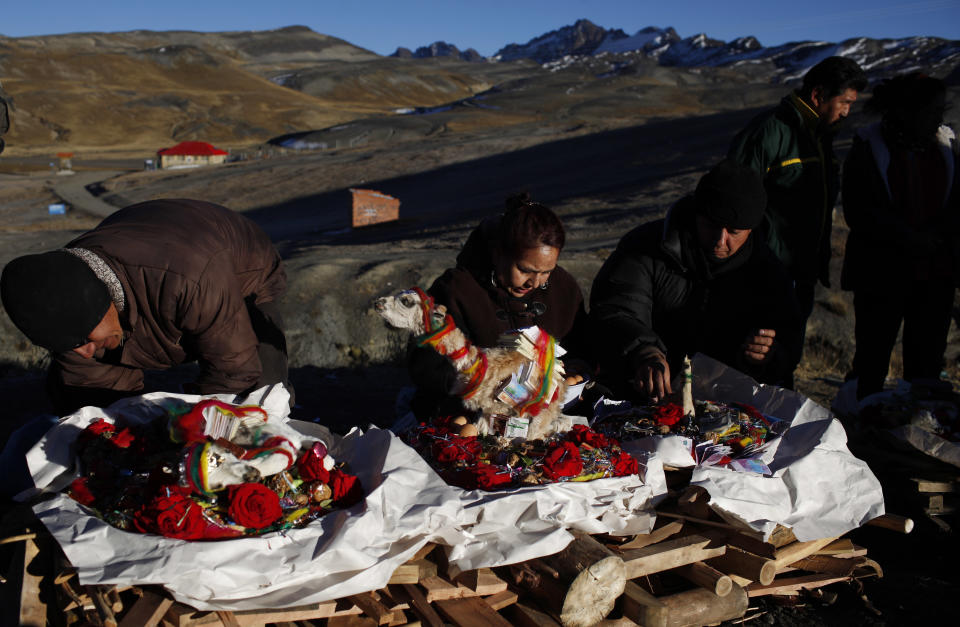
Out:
{"x": 72, "y": 189}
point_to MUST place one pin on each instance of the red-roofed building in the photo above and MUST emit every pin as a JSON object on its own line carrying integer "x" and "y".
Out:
{"x": 190, "y": 155}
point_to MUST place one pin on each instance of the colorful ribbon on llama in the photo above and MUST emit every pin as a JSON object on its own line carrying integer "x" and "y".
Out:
{"x": 546, "y": 361}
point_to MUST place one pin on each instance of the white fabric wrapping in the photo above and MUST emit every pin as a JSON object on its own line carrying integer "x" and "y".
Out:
{"x": 345, "y": 552}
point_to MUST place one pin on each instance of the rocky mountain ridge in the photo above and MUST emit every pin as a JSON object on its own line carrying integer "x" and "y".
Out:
{"x": 577, "y": 43}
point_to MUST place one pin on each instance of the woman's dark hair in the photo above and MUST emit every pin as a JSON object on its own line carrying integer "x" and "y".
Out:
{"x": 526, "y": 224}
{"x": 905, "y": 93}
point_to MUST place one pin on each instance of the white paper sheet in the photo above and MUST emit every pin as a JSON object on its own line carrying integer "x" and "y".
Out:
{"x": 818, "y": 488}
{"x": 345, "y": 552}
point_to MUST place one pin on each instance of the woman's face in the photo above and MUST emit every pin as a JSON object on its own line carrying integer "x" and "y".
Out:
{"x": 527, "y": 271}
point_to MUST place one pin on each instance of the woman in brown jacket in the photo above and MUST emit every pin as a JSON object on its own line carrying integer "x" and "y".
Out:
{"x": 506, "y": 278}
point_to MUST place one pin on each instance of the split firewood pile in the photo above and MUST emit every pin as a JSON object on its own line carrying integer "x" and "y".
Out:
{"x": 692, "y": 569}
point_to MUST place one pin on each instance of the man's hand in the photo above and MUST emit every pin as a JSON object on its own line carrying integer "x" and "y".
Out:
{"x": 653, "y": 378}
{"x": 758, "y": 346}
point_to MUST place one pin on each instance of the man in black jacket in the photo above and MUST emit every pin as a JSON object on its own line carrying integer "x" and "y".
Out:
{"x": 697, "y": 281}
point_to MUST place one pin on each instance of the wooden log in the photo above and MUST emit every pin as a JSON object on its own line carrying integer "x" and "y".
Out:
{"x": 739, "y": 540}
{"x": 659, "y": 534}
{"x": 792, "y": 585}
{"x": 901, "y": 524}
{"x": 526, "y": 615}
{"x": 471, "y": 612}
{"x": 707, "y": 577}
{"x": 591, "y": 577}
{"x": 669, "y": 554}
{"x": 105, "y": 608}
{"x": 799, "y": 550}
{"x": 405, "y": 573}
{"x": 747, "y": 565}
{"x": 421, "y": 606}
{"x": 147, "y": 611}
{"x": 693, "y": 607}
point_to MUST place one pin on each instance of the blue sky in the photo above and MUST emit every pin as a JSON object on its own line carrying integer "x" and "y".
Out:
{"x": 487, "y": 25}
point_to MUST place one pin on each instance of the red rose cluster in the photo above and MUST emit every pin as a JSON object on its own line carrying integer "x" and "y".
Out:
{"x": 486, "y": 463}
{"x": 133, "y": 479}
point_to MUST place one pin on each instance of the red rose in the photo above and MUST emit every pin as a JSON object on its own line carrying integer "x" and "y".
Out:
{"x": 346, "y": 489}
{"x": 624, "y": 464}
{"x": 254, "y": 505}
{"x": 122, "y": 439}
{"x": 667, "y": 414}
{"x": 455, "y": 449}
{"x": 582, "y": 434}
{"x": 175, "y": 516}
{"x": 310, "y": 465}
{"x": 100, "y": 426}
{"x": 490, "y": 477}
{"x": 80, "y": 491}
{"x": 562, "y": 461}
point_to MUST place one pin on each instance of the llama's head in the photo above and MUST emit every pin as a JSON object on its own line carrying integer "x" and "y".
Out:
{"x": 406, "y": 310}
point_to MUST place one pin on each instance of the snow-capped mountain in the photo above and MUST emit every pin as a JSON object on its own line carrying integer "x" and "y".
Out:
{"x": 586, "y": 44}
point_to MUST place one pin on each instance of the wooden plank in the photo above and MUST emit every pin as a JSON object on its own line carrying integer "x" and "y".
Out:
{"x": 351, "y": 621}
{"x": 792, "y": 585}
{"x": 501, "y": 599}
{"x": 405, "y": 573}
{"x": 439, "y": 589}
{"x": 372, "y": 607}
{"x": 227, "y": 618}
{"x": 422, "y": 552}
{"x": 471, "y": 612}
{"x": 799, "y": 550}
{"x": 421, "y": 606}
{"x": 781, "y": 536}
{"x": 659, "y": 534}
{"x": 669, "y": 554}
{"x": 147, "y": 611}
{"x": 33, "y": 611}
{"x": 827, "y": 564}
{"x": 739, "y": 540}
{"x": 482, "y": 581}
{"x": 930, "y": 485}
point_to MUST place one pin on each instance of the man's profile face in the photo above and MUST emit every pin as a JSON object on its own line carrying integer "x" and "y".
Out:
{"x": 832, "y": 110}
{"x": 107, "y": 335}
{"x": 718, "y": 241}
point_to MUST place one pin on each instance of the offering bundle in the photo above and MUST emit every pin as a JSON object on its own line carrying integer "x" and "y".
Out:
{"x": 715, "y": 433}
{"x": 207, "y": 471}
{"x": 492, "y": 463}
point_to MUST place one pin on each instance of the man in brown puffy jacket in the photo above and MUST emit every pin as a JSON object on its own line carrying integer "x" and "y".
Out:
{"x": 154, "y": 285}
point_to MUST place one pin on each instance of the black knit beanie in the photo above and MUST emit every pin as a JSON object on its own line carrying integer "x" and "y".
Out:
{"x": 54, "y": 298}
{"x": 731, "y": 196}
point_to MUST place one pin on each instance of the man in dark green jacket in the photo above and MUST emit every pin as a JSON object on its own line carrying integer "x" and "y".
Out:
{"x": 792, "y": 147}
{"x": 697, "y": 281}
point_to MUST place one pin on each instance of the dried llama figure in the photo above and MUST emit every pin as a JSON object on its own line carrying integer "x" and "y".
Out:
{"x": 482, "y": 373}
